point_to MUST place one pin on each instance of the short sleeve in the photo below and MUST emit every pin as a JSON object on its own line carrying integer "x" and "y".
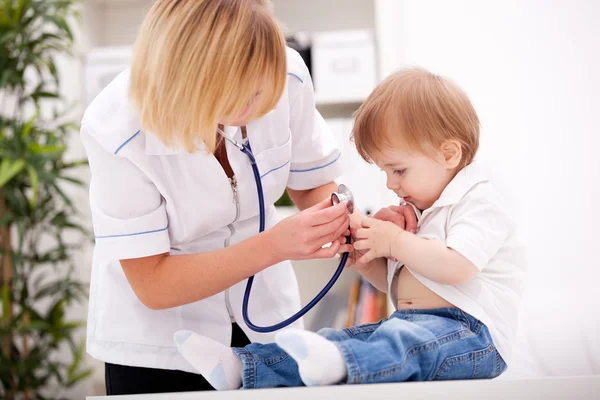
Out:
{"x": 128, "y": 212}
{"x": 316, "y": 157}
{"x": 478, "y": 229}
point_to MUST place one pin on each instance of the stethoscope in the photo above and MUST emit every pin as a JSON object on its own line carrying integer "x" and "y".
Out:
{"x": 342, "y": 195}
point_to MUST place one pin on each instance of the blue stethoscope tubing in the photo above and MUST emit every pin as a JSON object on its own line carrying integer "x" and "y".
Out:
{"x": 245, "y": 148}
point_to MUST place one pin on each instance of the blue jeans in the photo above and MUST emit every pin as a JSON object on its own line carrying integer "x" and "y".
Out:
{"x": 411, "y": 345}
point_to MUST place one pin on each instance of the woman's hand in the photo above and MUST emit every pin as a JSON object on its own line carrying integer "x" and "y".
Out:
{"x": 376, "y": 239}
{"x": 303, "y": 235}
{"x": 356, "y": 219}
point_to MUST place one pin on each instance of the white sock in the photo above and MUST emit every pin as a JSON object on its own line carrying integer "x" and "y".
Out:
{"x": 320, "y": 362}
{"x": 217, "y": 363}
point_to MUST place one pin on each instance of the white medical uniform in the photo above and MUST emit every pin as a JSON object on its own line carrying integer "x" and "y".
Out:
{"x": 149, "y": 199}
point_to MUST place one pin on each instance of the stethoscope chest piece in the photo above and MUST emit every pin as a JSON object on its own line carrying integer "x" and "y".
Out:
{"x": 343, "y": 195}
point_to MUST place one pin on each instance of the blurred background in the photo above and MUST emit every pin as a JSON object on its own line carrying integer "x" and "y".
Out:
{"x": 531, "y": 70}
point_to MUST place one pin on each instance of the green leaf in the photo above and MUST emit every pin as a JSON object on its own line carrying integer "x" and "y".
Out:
{"x": 33, "y": 176}
{"x": 53, "y": 369}
{"x": 72, "y": 325}
{"x": 8, "y": 8}
{"x": 64, "y": 197}
{"x": 57, "y": 312}
{"x": 37, "y": 148}
{"x": 79, "y": 377}
{"x": 74, "y": 181}
{"x": 36, "y": 325}
{"x": 44, "y": 95}
{"x": 77, "y": 357}
{"x": 77, "y": 15}
{"x": 9, "y": 169}
{"x": 5, "y": 21}
{"x": 61, "y": 24}
{"x": 29, "y": 124}
{"x": 19, "y": 11}
{"x": 75, "y": 164}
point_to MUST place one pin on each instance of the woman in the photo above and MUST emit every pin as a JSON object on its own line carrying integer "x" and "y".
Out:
{"x": 175, "y": 208}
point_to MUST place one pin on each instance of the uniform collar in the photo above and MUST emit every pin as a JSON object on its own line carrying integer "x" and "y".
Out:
{"x": 154, "y": 146}
{"x": 463, "y": 182}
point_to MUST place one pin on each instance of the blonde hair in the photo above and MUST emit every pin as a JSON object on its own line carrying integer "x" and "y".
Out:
{"x": 415, "y": 108}
{"x": 196, "y": 61}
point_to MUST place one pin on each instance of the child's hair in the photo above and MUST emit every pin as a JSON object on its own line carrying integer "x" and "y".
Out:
{"x": 196, "y": 61}
{"x": 415, "y": 108}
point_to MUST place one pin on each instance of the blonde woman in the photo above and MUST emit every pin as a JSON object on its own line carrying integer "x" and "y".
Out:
{"x": 175, "y": 208}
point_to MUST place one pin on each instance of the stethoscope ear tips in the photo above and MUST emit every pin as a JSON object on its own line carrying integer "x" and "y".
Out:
{"x": 343, "y": 195}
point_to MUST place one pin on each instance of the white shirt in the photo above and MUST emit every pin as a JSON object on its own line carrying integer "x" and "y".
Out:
{"x": 470, "y": 218}
{"x": 148, "y": 199}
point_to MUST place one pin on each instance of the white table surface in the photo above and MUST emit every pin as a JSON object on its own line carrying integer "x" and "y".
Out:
{"x": 579, "y": 387}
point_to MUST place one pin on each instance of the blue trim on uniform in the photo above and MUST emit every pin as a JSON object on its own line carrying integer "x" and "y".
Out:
{"x": 132, "y": 234}
{"x": 296, "y": 76}
{"x": 127, "y": 141}
{"x": 275, "y": 169}
{"x": 319, "y": 167}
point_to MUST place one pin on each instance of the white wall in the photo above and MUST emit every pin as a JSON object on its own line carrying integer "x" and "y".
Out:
{"x": 531, "y": 70}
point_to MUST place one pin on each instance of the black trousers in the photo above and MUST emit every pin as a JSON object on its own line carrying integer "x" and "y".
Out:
{"x": 122, "y": 379}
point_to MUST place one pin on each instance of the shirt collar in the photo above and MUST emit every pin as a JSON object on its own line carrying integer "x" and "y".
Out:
{"x": 463, "y": 182}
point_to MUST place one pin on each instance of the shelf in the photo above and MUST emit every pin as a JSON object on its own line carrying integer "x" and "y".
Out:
{"x": 331, "y": 100}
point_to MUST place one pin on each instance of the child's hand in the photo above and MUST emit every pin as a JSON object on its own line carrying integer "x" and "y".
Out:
{"x": 376, "y": 238}
{"x": 403, "y": 216}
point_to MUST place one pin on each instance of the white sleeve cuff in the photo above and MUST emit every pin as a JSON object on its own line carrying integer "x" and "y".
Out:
{"x": 470, "y": 252}
{"x": 136, "y": 246}
{"x": 142, "y": 236}
{"x": 311, "y": 175}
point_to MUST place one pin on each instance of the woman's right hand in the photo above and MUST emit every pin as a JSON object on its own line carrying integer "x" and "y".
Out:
{"x": 303, "y": 235}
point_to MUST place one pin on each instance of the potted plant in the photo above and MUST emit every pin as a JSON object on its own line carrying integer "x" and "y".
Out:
{"x": 38, "y": 228}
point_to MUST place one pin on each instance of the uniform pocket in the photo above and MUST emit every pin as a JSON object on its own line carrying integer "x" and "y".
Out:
{"x": 274, "y": 167}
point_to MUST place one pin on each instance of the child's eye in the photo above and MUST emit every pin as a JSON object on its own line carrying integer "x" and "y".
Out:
{"x": 400, "y": 171}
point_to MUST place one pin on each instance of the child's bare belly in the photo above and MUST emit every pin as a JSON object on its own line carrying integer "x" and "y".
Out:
{"x": 412, "y": 294}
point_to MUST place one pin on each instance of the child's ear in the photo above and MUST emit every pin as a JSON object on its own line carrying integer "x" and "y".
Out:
{"x": 452, "y": 151}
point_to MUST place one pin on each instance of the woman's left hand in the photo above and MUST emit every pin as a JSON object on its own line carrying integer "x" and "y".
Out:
{"x": 377, "y": 238}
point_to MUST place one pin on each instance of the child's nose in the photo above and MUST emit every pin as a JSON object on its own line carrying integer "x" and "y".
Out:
{"x": 392, "y": 185}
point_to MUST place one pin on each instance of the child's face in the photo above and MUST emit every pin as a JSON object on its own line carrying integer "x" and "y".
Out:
{"x": 416, "y": 177}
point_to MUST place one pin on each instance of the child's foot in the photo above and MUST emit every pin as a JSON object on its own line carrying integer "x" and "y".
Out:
{"x": 320, "y": 362}
{"x": 217, "y": 363}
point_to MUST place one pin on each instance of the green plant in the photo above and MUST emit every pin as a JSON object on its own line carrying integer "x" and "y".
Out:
{"x": 38, "y": 230}
{"x": 284, "y": 200}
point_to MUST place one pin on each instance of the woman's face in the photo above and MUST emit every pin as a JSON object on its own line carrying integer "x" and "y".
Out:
{"x": 244, "y": 117}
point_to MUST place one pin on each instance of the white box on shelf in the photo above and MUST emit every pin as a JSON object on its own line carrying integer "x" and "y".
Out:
{"x": 343, "y": 63}
{"x": 101, "y": 66}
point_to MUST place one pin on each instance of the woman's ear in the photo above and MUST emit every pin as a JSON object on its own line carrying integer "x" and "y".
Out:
{"x": 452, "y": 152}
